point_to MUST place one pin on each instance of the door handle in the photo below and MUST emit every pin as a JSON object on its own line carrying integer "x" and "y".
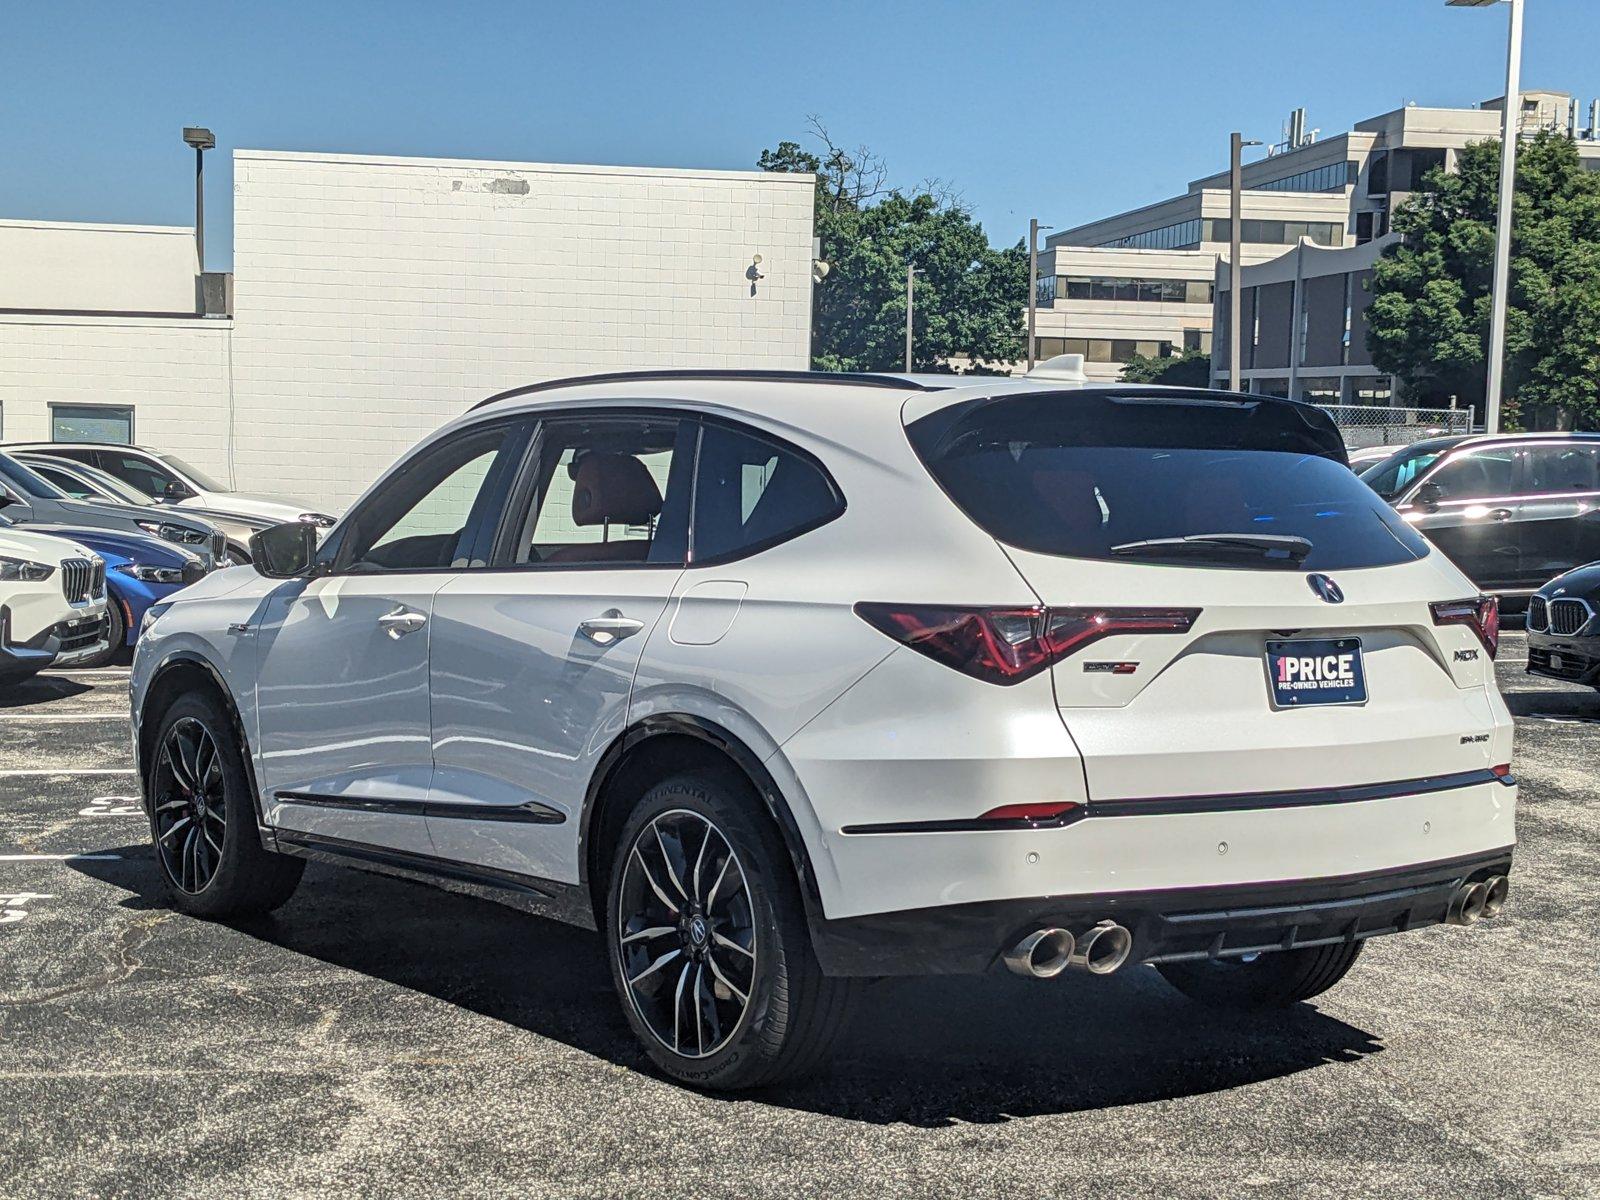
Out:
{"x": 609, "y": 627}
{"x": 1500, "y": 514}
{"x": 401, "y": 622}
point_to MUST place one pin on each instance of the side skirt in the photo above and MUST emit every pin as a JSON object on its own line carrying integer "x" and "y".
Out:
{"x": 565, "y": 902}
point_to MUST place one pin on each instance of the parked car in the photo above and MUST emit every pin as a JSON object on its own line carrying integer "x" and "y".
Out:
{"x": 52, "y": 604}
{"x": 33, "y": 500}
{"x": 1511, "y": 510}
{"x": 172, "y": 481}
{"x": 83, "y": 482}
{"x": 140, "y": 570}
{"x": 925, "y": 678}
{"x": 1364, "y": 457}
{"x": 1563, "y": 632}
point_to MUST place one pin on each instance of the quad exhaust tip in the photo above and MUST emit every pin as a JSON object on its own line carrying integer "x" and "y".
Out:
{"x": 1043, "y": 954}
{"x": 1499, "y": 888}
{"x": 1102, "y": 950}
{"x": 1469, "y": 904}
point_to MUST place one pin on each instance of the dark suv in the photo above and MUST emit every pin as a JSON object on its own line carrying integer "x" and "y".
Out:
{"x": 1511, "y": 510}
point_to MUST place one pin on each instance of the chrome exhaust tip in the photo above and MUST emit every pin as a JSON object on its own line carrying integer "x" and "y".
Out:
{"x": 1043, "y": 954}
{"x": 1467, "y": 905}
{"x": 1499, "y": 887}
{"x": 1102, "y": 950}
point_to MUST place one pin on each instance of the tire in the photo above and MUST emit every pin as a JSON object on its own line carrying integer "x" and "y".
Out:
{"x": 753, "y": 942}
{"x": 116, "y": 635}
{"x": 1269, "y": 980}
{"x": 209, "y": 853}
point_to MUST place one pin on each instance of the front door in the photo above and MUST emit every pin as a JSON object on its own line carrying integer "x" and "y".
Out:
{"x": 1467, "y": 506}
{"x": 345, "y": 723}
{"x": 1558, "y": 516}
{"x": 533, "y": 659}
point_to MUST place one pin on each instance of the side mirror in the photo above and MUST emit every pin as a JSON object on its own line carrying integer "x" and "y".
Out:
{"x": 177, "y": 490}
{"x": 284, "y": 551}
{"x": 1429, "y": 495}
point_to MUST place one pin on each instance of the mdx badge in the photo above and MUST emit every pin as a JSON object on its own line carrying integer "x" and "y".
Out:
{"x": 1326, "y": 589}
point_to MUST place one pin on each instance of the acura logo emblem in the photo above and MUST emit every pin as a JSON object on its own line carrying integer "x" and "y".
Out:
{"x": 1326, "y": 589}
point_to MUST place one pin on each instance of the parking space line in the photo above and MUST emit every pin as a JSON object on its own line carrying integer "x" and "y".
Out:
{"x": 60, "y": 857}
{"x": 61, "y": 772}
{"x": 115, "y": 715}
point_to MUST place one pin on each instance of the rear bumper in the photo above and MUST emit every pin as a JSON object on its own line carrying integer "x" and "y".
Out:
{"x": 1171, "y": 925}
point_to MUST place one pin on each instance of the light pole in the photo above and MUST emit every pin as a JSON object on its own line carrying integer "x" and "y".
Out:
{"x": 911, "y": 306}
{"x": 1235, "y": 204}
{"x": 1510, "y": 128}
{"x": 1033, "y": 281}
{"x": 202, "y": 140}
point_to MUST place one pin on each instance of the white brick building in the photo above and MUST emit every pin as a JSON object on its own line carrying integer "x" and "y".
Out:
{"x": 375, "y": 298}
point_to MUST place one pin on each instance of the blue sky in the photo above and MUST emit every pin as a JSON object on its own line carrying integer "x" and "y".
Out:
{"x": 1066, "y": 111}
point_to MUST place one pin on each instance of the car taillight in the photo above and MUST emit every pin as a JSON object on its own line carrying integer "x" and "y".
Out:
{"x": 1007, "y": 645}
{"x": 1482, "y": 613}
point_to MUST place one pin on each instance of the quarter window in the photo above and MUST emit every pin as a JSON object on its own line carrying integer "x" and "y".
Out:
{"x": 751, "y": 492}
{"x": 1481, "y": 473}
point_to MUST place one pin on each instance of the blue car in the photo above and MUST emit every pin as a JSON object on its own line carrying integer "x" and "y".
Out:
{"x": 140, "y": 570}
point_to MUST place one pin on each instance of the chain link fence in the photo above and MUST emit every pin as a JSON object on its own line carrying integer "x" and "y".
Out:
{"x": 1366, "y": 425}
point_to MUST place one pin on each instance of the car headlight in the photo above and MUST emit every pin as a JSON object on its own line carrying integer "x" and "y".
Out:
{"x": 149, "y": 574}
{"x": 150, "y": 615}
{"x": 320, "y": 520}
{"x": 24, "y": 570}
{"x": 168, "y": 532}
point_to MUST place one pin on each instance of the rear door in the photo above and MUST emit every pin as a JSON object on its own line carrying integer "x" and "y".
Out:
{"x": 1558, "y": 515}
{"x": 1232, "y": 610}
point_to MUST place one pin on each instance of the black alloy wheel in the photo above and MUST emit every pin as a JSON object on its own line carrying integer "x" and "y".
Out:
{"x": 189, "y": 806}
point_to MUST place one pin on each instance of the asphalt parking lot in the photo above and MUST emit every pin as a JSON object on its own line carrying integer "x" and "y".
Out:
{"x": 378, "y": 1037}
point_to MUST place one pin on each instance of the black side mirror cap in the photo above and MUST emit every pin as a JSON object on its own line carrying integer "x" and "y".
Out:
{"x": 284, "y": 551}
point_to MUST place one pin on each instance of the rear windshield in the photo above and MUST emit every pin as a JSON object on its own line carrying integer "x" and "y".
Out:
{"x": 1160, "y": 479}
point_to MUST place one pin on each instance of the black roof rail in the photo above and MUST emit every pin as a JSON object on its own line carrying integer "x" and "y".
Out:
{"x": 861, "y": 379}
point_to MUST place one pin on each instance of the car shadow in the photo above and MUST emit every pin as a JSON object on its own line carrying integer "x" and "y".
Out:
{"x": 41, "y": 689}
{"x": 927, "y": 1052}
{"x": 1543, "y": 702}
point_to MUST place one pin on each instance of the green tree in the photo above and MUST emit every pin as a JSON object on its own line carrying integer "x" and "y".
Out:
{"x": 1192, "y": 368}
{"x": 1429, "y": 318}
{"x": 969, "y": 296}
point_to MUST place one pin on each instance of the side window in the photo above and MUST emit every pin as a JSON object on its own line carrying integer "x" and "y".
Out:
{"x": 751, "y": 492}
{"x": 141, "y": 473}
{"x": 62, "y": 480}
{"x": 609, "y": 490}
{"x": 1478, "y": 474}
{"x": 1554, "y": 470}
{"x": 426, "y": 513}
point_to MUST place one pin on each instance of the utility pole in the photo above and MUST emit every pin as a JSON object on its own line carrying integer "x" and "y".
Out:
{"x": 1235, "y": 206}
{"x": 1033, "y": 284}
{"x": 911, "y": 307}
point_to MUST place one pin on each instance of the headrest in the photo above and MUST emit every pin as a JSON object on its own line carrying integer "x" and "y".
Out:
{"x": 614, "y": 489}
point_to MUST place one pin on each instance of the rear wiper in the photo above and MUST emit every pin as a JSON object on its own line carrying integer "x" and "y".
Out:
{"x": 1274, "y": 547}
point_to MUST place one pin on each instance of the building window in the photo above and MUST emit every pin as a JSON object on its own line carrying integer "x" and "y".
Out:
{"x": 91, "y": 423}
{"x": 1143, "y": 291}
{"x": 1047, "y": 291}
{"x": 1334, "y": 177}
{"x": 1376, "y": 390}
{"x": 1101, "y": 350}
{"x": 1197, "y": 339}
{"x": 1349, "y": 315}
{"x": 1169, "y": 237}
{"x": 1365, "y": 224}
{"x": 1274, "y": 233}
{"x": 1320, "y": 391}
{"x": 1378, "y": 174}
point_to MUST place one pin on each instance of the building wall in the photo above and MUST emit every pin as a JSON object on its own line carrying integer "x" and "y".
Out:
{"x": 173, "y": 372}
{"x": 62, "y": 265}
{"x": 375, "y": 298}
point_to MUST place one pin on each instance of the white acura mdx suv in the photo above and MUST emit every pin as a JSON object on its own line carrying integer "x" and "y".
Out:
{"x": 785, "y": 680}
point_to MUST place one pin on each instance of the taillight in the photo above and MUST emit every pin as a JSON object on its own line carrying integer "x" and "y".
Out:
{"x": 1007, "y": 645}
{"x": 1482, "y": 613}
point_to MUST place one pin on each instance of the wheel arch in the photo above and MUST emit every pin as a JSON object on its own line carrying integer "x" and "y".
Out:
{"x": 639, "y": 754}
{"x": 182, "y": 672}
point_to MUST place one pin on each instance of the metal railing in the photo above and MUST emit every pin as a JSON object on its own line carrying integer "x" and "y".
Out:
{"x": 1380, "y": 425}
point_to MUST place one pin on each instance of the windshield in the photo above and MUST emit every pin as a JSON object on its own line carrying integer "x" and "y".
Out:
{"x": 193, "y": 474}
{"x": 1391, "y": 476}
{"x": 28, "y": 482}
{"x": 1081, "y": 480}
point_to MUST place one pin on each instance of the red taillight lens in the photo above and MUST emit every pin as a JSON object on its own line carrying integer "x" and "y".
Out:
{"x": 1034, "y": 813}
{"x": 1482, "y": 613}
{"x": 1007, "y": 645}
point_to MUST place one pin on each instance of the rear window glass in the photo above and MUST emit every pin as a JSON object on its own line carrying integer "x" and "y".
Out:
{"x": 1164, "y": 480}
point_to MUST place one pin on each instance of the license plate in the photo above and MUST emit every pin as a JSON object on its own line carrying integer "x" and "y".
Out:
{"x": 1326, "y": 671}
{"x": 1555, "y": 662}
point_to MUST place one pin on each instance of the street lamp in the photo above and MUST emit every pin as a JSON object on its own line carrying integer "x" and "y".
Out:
{"x": 1033, "y": 281}
{"x": 1235, "y": 204}
{"x": 911, "y": 304}
{"x": 202, "y": 140}
{"x": 1510, "y": 128}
